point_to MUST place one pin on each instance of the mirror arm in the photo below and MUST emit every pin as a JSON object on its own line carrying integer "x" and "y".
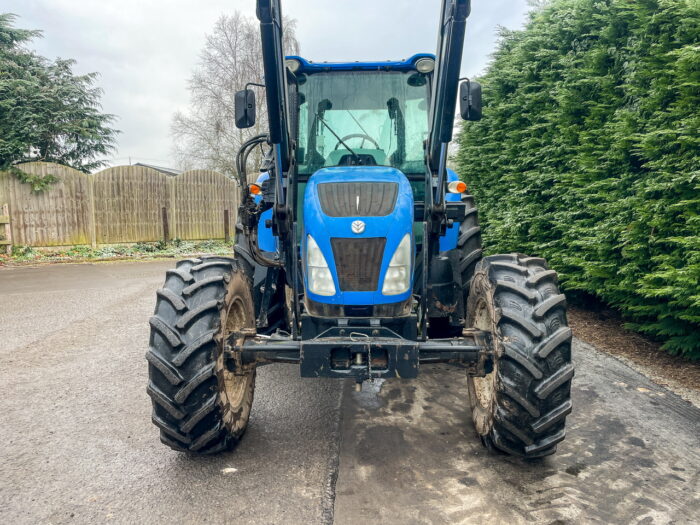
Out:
{"x": 469, "y": 101}
{"x": 253, "y": 84}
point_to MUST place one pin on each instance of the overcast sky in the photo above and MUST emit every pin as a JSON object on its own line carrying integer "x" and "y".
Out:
{"x": 146, "y": 49}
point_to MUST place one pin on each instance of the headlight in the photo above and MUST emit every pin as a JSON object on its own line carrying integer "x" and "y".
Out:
{"x": 398, "y": 275}
{"x": 318, "y": 274}
{"x": 425, "y": 65}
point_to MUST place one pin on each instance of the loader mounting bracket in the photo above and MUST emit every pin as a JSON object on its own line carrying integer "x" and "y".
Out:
{"x": 362, "y": 353}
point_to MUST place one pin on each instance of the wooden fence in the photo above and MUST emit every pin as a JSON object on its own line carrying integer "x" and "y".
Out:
{"x": 122, "y": 204}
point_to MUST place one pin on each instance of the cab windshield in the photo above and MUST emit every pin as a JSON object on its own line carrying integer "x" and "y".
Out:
{"x": 362, "y": 118}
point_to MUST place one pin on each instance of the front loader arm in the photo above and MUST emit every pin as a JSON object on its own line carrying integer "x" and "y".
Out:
{"x": 269, "y": 12}
{"x": 453, "y": 17}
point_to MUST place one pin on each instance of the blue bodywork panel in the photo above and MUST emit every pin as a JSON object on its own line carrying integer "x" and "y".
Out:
{"x": 387, "y": 65}
{"x": 266, "y": 241}
{"x": 449, "y": 240}
{"x": 393, "y": 227}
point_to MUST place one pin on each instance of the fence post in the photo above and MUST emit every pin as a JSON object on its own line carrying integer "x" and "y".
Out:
{"x": 172, "y": 206}
{"x": 5, "y": 220}
{"x": 92, "y": 221}
{"x": 166, "y": 227}
{"x": 227, "y": 227}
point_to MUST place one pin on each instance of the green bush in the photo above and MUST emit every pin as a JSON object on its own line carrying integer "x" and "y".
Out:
{"x": 147, "y": 247}
{"x": 588, "y": 155}
{"x": 23, "y": 252}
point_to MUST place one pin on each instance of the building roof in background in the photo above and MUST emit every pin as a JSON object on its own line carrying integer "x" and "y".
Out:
{"x": 167, "y": 171}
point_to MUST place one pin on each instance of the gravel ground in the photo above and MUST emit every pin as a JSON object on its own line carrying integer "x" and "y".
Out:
{"x": 605, "y": 330}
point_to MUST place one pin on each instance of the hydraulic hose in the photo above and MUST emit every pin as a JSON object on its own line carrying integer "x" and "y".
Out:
{"x": 242, "y": 158}
{"x": 250, "y": 227}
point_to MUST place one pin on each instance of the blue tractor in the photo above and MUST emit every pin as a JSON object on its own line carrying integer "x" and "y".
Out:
{"x": 358, "y": 256}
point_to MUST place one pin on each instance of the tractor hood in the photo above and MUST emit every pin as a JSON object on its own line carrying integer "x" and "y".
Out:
{"x": 361, "y": 220}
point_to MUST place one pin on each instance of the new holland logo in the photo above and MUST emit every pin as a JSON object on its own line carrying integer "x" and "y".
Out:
{"x": 358, "y": 227}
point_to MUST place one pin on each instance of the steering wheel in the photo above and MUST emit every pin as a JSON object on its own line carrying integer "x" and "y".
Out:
{"x": 357, "y": 136}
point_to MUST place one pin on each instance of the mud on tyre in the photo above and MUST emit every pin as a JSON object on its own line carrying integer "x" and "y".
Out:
{"x": 200, "y": 405}
{"x": 521, "y": 406}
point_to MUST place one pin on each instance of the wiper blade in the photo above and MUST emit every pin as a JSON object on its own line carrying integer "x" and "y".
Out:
{"x": 358, "y": 123}
{"x": 355, "y": 155}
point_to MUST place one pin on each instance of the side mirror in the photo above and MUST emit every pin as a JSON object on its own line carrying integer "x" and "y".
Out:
{"x": 245, "y": 108}
{"x": 470, "y": 100}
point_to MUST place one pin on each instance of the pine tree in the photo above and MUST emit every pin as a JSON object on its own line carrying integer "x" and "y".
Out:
{"x": 46, "y": 112}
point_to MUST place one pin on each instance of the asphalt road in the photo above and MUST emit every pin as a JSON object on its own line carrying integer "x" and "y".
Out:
{"x": 77, "y": 444}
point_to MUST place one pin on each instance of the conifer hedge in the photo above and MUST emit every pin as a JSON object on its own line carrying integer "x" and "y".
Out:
{"x": 589, "y": 155}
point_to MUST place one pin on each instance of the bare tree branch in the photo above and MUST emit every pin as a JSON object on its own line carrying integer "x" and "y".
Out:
{"x": 205, "y": 135}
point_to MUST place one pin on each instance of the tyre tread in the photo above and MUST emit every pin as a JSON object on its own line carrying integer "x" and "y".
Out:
{"x": 535, "y": 370}
{"x": 186, "y": 409}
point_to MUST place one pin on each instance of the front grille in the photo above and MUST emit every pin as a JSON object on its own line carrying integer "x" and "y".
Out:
{"x": 357, "y": 199}
{"x": 358, "y": 262}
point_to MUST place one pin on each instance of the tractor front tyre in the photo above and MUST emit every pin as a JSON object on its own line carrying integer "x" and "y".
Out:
{"x": 469, "y": 243}
{"x": 200, "y": 404}
{"x": 520, "y": 407}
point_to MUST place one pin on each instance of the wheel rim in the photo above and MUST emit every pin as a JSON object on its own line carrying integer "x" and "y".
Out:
{"x": 483, "y": 389}
{"x": 235, "y": 385}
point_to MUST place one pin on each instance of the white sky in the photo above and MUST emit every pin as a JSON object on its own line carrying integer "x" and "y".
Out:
{"x": 146, "y": 49}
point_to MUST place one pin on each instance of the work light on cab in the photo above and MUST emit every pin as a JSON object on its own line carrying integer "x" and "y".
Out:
{"x": 425, "y": 65}
{"x": 292, "y": 64}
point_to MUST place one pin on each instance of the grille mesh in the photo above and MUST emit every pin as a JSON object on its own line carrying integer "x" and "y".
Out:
{"x": 357, "y": 199}
{"x": 358, "y": 262}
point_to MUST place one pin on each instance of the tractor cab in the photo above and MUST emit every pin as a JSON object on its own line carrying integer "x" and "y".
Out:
{"x": 361, "y": 114}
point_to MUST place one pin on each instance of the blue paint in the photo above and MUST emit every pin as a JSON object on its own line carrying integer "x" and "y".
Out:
{"x": 393, "y": 227}
{"x": 449, "y": 240}
{"x": 266, "y": 241}
{"x": 399, "y": 65}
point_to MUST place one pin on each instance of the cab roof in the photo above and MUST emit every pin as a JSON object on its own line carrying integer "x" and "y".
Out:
{"x": 308, "y": 66}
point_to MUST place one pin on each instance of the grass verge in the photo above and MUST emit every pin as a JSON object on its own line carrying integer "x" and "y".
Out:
{"x": 139, "y": 250}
